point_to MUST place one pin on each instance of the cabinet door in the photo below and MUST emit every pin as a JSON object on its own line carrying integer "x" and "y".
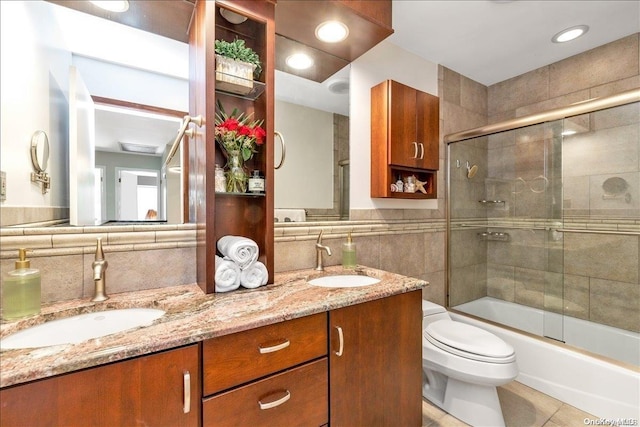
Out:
{"x": 148, "y": 390}
{"x": 403, "y": 139}
{"x": 428, "y": 130}
{"x": 375, "y": 375}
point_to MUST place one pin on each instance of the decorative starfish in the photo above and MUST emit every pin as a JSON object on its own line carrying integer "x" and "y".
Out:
{"x": 420, "y": 186}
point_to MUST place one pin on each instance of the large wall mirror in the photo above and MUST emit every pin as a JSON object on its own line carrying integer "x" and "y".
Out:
{"x": 312, "y": 118}
{"x": 138, "y": 84}
{"x": 111, "y": 99}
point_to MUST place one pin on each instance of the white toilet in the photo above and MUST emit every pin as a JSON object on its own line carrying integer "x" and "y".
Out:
{"x": 462, "y": 366}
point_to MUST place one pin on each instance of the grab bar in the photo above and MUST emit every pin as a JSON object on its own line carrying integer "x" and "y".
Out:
{"x": 560, "y": 230}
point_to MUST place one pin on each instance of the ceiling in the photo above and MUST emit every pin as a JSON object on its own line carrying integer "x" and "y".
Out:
{"x": 491, "y": 41}
{"x": 486, "y": 40}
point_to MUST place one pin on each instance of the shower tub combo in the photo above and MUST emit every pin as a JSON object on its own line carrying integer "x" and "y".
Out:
{"x": 543, "y": 227}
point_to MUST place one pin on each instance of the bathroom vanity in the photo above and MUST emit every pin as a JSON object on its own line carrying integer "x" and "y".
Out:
{"x": 285, "y": 354}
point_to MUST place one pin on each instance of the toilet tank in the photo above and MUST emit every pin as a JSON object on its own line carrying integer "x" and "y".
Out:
{"x": 432, "y": 312}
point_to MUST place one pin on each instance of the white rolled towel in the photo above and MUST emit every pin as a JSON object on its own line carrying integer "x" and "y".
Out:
{"x": 254, "y": 276}
{"x": 241, "y": 250}
{"x": 227, "y": 276}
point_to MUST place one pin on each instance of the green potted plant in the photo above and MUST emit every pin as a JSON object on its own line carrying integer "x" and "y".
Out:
{"x": 236, "y": 64}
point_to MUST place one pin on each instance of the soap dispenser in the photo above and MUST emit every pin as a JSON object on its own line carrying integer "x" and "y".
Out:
{"x": 349, "y": 253}
{"x": 21, "y": 290}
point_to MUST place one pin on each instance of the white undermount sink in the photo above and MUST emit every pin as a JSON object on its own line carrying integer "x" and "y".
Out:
{"x": 344, "y": 281}
{"x": 83, "y": 327}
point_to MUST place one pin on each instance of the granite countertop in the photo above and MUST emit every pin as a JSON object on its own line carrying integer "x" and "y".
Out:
{"x": 191, "y": 316}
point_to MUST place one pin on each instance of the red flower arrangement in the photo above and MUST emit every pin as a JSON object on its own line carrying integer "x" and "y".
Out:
{"x": 237, "y": 133}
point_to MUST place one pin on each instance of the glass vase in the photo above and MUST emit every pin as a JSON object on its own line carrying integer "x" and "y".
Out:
{"x": 237, "y": 176}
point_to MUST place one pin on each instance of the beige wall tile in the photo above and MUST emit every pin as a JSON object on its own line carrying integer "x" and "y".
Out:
{"x": 576, "y": 296}
{"x": 473, "y": 96}
{"x": 61, "y": 277}
{"x": 501, "y": 282}
{"x": 614, "y": 61}
{"x": 436, "y": 290}
{"x": 529, "y": 287}
{"x": 143, "y": 270}
{"x": 615, "y": 304}
{"x": 602, "y": 256}
{"x": 403, "y": 254}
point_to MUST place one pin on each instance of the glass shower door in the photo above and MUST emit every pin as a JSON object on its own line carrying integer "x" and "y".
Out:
{"x": 505, "y": 200}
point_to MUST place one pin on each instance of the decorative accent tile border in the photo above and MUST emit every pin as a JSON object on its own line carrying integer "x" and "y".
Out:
{"x": 54, "y": 241}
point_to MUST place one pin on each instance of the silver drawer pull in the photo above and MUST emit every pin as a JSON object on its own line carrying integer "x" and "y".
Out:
{"x": 186, "y": 406}
{"x": 273, "y": 348}
{"x": 275, "y": 403}
{"x": 341, "y": 338}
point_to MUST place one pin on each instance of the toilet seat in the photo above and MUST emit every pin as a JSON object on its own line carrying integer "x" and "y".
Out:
{"x": 469, "y": 342}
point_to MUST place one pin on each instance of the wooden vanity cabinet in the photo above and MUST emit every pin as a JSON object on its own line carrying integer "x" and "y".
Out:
{"x": 375, "y": 362}
{"x": 273, "y": 375}
{"x": 404, "y": 138}
{"x": 148, "y": 390}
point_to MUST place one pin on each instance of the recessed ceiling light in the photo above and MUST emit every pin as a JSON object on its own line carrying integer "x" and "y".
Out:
{"x": 112, "y": 5}
{"x": 569, "y": 132}
{"x": 299, "y": 61}
{"x": 332, "y": 31}
{"x": 570, "y": 34}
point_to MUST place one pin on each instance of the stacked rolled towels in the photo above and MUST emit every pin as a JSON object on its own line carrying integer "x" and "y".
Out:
{"x": 239, "y": 264}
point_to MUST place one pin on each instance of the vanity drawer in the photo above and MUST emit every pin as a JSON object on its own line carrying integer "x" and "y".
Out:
{"x": 297, "y": 397}
{"x": 238, "y": 358}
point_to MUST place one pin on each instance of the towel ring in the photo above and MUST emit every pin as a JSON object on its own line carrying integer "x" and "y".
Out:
{"x": 545, "y": 184}
{"x": 284, "y": 149}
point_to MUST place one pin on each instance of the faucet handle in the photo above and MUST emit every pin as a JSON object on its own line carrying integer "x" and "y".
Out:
{"x": 320, "y": 237}
{"x": 99, "y": 251}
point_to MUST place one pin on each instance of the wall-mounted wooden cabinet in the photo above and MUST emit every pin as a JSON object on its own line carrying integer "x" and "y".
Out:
{"x": 404, "y": 139}
{"x": 221, "y": 214}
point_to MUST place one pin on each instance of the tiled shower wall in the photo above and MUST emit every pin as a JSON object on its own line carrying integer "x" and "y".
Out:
{"x": 600, "y": 271}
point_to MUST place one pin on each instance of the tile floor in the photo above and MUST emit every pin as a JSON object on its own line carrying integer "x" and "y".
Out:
{"x": 522, "y": 406}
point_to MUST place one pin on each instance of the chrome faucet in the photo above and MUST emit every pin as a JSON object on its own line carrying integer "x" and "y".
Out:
{"x": 99, "y": 267}
{"x": 319, "y": 248}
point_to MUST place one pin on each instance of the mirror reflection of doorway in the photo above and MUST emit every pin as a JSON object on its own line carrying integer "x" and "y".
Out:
{"x": 138, "y": 195}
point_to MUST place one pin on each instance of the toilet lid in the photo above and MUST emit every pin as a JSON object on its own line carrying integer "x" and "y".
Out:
{"x": 469, "y": 341}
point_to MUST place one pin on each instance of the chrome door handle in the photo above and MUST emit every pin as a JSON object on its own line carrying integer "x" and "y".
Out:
{"x": 415, "y": 151}
{"x": 275, "y": 403}
{"x": 186, "y": 398}
{"x": 421, "y": 151}
{"x": 273, "y": 348}
{"x": 341, "y": 342}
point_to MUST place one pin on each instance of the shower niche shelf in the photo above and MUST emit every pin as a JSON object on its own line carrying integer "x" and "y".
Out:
{"x": 494, "y": 236}
{"x": 490, "y": 203}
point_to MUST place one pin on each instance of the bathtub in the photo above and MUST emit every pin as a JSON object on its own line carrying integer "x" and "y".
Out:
{"x": 591, "y": 384}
